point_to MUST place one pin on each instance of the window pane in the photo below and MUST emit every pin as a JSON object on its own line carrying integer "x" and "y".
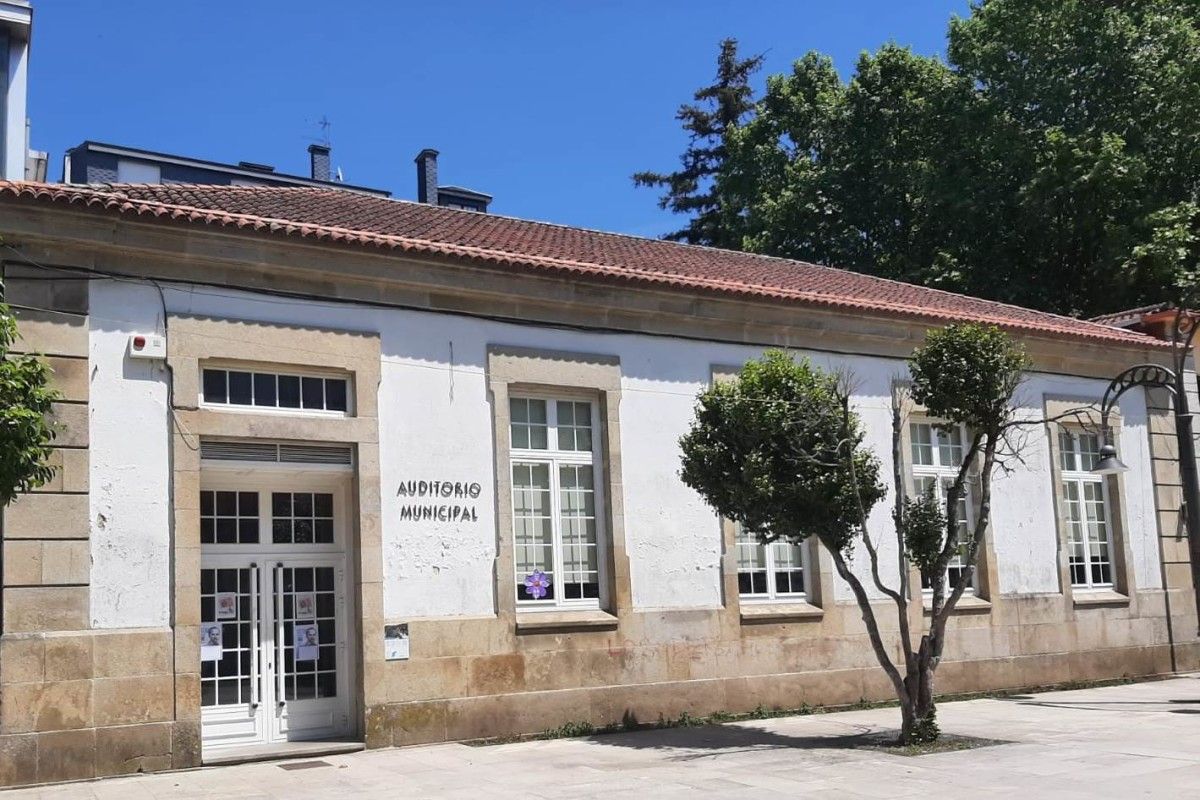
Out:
{"x": 312, "y": 392}
{"x": 751, "y": 557}
{"x": 248, "y": 504}
{"x": 239, "y": 388}
{"x": 1089, "y": 451}
{"x": 289, "y": 391}
{"x": 1086, "y": 515}
{"x": 922, "y": 443}
{"x": 323, "y": 505}
{"x": 533, "y": 532}
{"x": 335, "y": 394}
{"x": 574, "y": 426}
{"x": 950, "y": 447}
{"x": 214, "y": 386}
{"x": 264, "y": 389}
{"x": 1067, "y": 448}
{"x": 227, "y": 504}
{"x": 528, "y": 423}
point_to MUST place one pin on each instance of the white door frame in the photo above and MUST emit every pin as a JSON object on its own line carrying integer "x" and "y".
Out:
{"x": 269, "y": 723}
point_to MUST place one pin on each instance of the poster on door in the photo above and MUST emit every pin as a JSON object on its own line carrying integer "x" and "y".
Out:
{"x": 306, "y": 605}
{"x": 227, "y": 605}
{"x": 210, "y": 641}
{"x": 307, "y": 641}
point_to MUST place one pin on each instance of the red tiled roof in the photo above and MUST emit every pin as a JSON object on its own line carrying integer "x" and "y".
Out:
{"x": 345, "y": 217}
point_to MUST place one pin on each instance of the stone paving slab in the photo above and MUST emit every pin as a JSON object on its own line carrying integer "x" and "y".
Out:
{"x": 1133, "y": 741}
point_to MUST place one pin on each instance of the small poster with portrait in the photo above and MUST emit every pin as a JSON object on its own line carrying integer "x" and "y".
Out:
{"x": 306, "y": 605}
{"x": 210, "y": 641}
{"x": 395, "y": 642}
{"x": 306, "y": 639}
{"x": 227, "y": 605}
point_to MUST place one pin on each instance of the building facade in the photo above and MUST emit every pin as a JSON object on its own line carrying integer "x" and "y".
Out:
{"x": 17, "y": 161}
{"x": 97, "y": 162}
{"x": 340, "y": 468}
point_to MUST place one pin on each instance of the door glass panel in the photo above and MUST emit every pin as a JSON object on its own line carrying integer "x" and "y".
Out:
{"x": 309, "y": 633}
{"x": 301, "y": 518}
{"x": 225, "y": 633}
{"x": 228, "y": 517}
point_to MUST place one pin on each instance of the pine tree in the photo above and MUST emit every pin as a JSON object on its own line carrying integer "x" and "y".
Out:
{"x": 717, "y": 110}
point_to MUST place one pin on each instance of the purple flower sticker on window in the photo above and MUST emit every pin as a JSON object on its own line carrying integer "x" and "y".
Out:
{"x": 537, "y": 583}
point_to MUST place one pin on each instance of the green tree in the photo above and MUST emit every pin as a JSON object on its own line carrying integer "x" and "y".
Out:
{"x": 1053, "y": 159}
{"x": 781, "y": 451}
{"x": 855, "y": 174}
{"x": 25, "y": 433}
{"x": 717, "y": 110}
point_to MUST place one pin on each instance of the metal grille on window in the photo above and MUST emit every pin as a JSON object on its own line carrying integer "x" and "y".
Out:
{"x": 309, "y": 633}
{"x": 226, "y": 681}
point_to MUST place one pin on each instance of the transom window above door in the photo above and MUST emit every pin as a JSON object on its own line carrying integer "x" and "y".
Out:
{"x": 230, "y": 517}
{"x": 281, "y": 391}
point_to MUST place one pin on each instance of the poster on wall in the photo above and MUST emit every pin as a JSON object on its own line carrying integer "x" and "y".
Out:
{"x": 210, "y": 641}
{"x": 307, "y": 641}
{"x": 306, "y": 605}
{"x": 395, "y": 642}
{"x": 227, "y": 605}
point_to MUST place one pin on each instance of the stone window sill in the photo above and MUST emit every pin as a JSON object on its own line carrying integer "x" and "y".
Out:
{"x": 1103, "y": 598}
{"x": 967, "y": 604}
{"x": 548, "y": 621}
{"x": 755, "y": 613}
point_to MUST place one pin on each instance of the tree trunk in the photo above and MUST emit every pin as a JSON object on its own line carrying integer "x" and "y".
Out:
{"x": 919, "y": 717}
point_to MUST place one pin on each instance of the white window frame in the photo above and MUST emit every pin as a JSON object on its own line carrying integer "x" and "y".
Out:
{"x": 944, "y": 474}
{"x": 1080, "y": 476}
{"x": 772, "y": 595}
{"x": 278, "y": 372}
{"x": 554, "y": 458}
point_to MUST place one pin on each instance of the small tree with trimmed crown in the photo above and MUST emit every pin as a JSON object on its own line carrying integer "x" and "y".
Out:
{"x": 780, "y": 450}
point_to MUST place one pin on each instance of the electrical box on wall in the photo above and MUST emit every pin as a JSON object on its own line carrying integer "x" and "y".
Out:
{"x": 147, "y": 345}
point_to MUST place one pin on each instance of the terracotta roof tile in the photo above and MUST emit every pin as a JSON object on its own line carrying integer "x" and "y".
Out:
{"x": 349, "y": 217}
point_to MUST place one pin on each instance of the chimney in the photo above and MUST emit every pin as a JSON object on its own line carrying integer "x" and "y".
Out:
{"x": 427, "y": 183}
{"x": 318, "y": 156}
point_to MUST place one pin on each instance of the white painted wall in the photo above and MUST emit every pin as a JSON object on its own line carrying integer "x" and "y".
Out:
{"x": 435, "y": 423}
{"x": 129, "y": 506}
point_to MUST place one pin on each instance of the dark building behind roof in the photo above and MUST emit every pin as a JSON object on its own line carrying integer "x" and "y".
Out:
{"x": 97, "y": 162}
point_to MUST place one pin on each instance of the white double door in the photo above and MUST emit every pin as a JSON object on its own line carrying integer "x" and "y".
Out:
{"x": 275, "y": 656}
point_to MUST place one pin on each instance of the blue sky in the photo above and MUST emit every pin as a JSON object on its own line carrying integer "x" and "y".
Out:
{"x": 549, "y": 106}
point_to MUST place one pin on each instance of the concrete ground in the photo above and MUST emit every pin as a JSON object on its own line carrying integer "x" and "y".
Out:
{"x": 1140, "y": 740}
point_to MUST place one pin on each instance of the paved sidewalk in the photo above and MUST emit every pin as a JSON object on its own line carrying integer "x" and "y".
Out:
{"x": 1135, "y": 741}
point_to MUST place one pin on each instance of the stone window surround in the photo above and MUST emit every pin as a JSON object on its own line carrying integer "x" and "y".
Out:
{"x": 193, "y": 340}
{"x": 1124, "y": 581}
{"x": 511, "y": 371}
